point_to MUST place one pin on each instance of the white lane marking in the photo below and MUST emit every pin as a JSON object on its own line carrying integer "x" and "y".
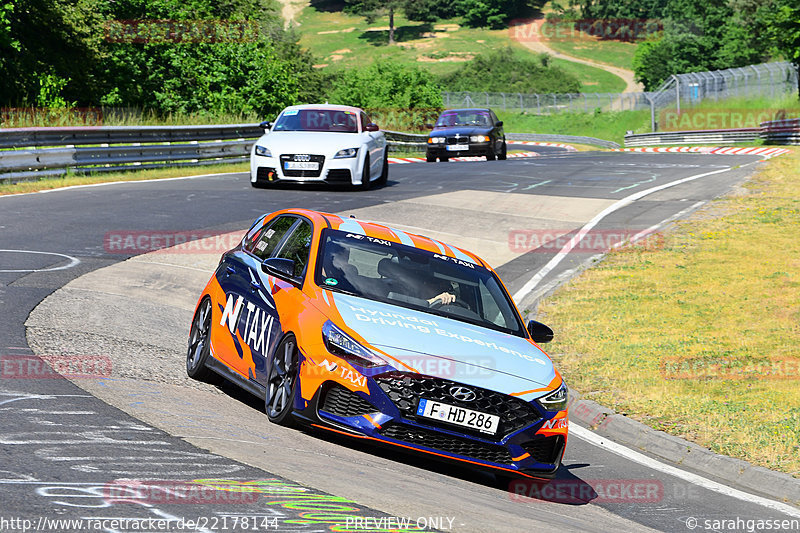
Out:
{"x": 203, "y": 270}
{"x": 154, "y": 180}
{"x": 73, "y": 261}
{"x": 561, "y": 254}
{"x": 655, "y": 227}
{"x": 627, "y": 453}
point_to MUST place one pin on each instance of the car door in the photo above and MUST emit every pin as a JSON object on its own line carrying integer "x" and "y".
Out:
{"x": 287, "y": 296}
{"x": 498, "y": 134}
{"x": 249, "y": 311}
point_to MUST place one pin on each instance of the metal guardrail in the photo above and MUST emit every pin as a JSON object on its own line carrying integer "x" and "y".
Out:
{"x": 546, "y": 137}
{"x": 32, "y": 153}
{"x": 772, "y": 132}
{"x": 781, "y": 131}
{"x": 693, "y": 137}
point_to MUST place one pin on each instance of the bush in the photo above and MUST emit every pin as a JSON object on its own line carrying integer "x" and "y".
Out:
{"x": 504, "y": 71}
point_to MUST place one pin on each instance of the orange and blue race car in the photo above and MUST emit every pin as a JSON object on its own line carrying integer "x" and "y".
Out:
{"x": 379, "y": 334}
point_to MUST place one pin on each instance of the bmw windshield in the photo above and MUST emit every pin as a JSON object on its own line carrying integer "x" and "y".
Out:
{"x": 327, "y": 120}
{"x": 415, "y": 279}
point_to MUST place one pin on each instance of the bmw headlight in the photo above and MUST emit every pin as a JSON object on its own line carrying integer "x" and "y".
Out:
{"x": 556, "y": 400}
{"x": 340, "y": 343}
{"x": 435, "y": 140}
{"x": 263, "y": 151}
{"x": 346, "y": 153}
{"x": 478, "y": 139}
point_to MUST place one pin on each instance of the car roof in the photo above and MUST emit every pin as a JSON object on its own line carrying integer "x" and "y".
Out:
{"x": 467, "y": 109}
{"x": 325, "y": 106}
{"x": 387, "y": 233}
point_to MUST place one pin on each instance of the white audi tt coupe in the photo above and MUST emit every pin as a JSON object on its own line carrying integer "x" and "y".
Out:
{"x": 320, "y": 143}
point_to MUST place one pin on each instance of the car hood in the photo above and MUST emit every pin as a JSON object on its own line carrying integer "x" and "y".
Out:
{"x": 303, "y": 142}
{"x": 446, "y": 348}
{"x": 461, "y": 130}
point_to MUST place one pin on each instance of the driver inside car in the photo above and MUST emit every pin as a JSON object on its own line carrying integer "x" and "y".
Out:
{"x": 445, "y": 297}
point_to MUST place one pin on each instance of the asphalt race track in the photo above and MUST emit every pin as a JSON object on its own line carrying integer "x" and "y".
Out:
{"x": 65, "y": 453}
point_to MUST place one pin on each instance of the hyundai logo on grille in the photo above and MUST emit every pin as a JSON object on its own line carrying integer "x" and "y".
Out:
{"x": 462, "y": 393}
{"x": 302, "y": 157}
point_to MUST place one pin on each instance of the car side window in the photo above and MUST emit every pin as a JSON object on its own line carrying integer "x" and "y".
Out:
{"x": 364, "y": 121}
{"x": 297, "y": 247}
{"x": 271, "y": 236}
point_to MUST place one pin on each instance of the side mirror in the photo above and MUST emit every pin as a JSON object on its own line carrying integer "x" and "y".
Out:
{"x": 265, "y": 125}
{"x": 499, "y": 123}
{"x": 429, "y": 126}
{"x": 371, "y": 127}
{"x": 540, "y": 332}
{"x": 279, "y": 267}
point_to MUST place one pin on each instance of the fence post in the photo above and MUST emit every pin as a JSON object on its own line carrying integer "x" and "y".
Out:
{"x": 677, "y": 93}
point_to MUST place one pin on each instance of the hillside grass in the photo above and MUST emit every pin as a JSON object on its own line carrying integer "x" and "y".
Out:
{"x": 340, "y": 40}
{"x": 698, "y": 336}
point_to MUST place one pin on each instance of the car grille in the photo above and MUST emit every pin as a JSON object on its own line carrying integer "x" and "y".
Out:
{"x": 405, "y": 390}
{"x": 464, "y": 139}
{"x": 302, "y": 173}
{"x": 339, "y": 175}
{"x": 342, "y": 402}
{"x": 448, "y": 443}
{"x": 545, "y": 449}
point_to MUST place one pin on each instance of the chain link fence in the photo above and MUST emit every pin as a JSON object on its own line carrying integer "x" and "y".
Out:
{"x": 772, "y": 80}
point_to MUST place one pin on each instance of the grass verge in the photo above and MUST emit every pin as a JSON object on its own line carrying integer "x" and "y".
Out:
{"x": 70, "y": 180}
{"x": 699, "y": 337}
{"x": 610, "y": 126}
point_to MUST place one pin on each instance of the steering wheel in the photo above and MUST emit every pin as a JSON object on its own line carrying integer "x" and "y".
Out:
{"x": 439, "y": 303}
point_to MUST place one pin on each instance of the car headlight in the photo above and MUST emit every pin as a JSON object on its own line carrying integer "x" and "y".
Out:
{"x": 347, "y": 152}
{"x": 435, "y": 140}
{"x": 556, "y": 400}
{"x": 263, "y": 151}
{"x": 340, "y": 343}
{"x": 478, "y": 139}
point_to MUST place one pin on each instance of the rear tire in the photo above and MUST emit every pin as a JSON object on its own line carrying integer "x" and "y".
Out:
{"x": 282, "y": 383}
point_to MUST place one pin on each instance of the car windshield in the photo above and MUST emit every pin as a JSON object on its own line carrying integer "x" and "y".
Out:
{"x": 464, "y": 118}
{"x": 330, "y": 120}
{"x": 408, "y": 277}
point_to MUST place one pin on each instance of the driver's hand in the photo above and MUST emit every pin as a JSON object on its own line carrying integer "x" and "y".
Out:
{"x": 445, "y": 297}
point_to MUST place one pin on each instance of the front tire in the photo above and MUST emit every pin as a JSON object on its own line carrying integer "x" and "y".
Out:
{"x": 381, "y": 181}
{"x": 430, "y": 158}
{"x": 444, "y": 159}
{"x": 365, "y": 183}
{"x": 503, "y": 155}
{"x": 200, "y": 344}
{"x": 282, "y": 383}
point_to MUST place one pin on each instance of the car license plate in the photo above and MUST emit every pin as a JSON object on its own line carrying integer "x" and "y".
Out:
{"x": 459, "y": 416}
{"x": 457, "y": 147}
{"x": 301, "y": 165}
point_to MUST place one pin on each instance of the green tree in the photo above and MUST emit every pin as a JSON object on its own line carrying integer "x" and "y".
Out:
{"x": 372, "y": 9}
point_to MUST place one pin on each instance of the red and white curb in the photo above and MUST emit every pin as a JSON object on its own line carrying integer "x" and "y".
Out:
{"x": 404, "y": 160}
{"x": 567, "y": 147}
{"x": 725, "y": 150}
